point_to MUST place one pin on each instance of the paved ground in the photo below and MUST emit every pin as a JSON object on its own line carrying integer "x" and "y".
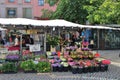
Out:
{"x": 113, "y": 55}
{"x": 112, "y": 74}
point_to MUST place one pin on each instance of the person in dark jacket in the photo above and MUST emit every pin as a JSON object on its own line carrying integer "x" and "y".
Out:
{"x": 1, "y": 41}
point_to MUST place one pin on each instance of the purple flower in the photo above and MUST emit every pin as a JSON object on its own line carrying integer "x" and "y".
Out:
{"x": 12, "y": 57}
{"x": 54, "y": 65}
{"x": 56, "y": 57}
{"x": 53, "y": 53}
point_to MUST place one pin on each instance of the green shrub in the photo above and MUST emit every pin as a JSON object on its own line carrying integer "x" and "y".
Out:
{"x": 43, "y": 67}
{"x": 28, "y": 65}
{"x": 9, "y": 67}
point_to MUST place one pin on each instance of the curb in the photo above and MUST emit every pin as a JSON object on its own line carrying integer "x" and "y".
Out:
{"x": 115, "y": 63}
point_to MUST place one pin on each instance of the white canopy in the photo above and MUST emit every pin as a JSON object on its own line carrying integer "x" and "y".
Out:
{"x": 51, "y": 23}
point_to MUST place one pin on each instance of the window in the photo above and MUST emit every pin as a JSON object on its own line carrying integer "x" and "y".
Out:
{"x": 11, "y": 0}
{"x": 28, "y": 1}
{"x": 27, "y": 13}
{"x": 11, "y": 12}
{"x": 40, "y": 2}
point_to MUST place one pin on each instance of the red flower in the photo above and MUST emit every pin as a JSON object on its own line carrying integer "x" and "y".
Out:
{"x": 97, "y": 55}
{"x": 106, "y": 62}
{"x": 58, "y": 53}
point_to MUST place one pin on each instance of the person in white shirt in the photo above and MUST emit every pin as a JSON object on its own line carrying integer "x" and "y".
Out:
{"x": 16, "y": 40}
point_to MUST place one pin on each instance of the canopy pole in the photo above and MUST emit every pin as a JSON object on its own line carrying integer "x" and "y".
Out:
{"x": 98, "y": 39}
{"x": 21, "y": 46}
{"x": 59, "y": 32}
{"x": 45, "y": 40}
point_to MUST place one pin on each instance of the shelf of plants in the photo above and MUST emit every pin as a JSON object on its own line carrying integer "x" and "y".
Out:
{"x": 11, "y": 62}
{"x": 77, "y": 60}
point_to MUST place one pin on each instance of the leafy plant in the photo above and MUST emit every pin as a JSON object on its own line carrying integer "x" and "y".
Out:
{"x": 54, "y": 41}
{"x": 28, "y": 65}
{"x": 43, "y": 67}
{"x": 1, "y": 67}
{"x": 9, "y": 67}
{"x": 52, "y": 2}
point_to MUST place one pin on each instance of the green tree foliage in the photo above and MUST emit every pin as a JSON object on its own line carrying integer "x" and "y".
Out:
{"x": 46, "y": 13}
{"x": 71, "y": 10}
{"x": 95, "y": 11}
{"x": 107, "y": 13}
{"x": 52, "y": 2}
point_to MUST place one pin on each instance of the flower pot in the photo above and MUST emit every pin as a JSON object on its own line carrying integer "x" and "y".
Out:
{"x": 85, "y": 69}
{"x": 54, "y": 67}
{"x": 32, "y": 71}
{"x": 103, "y": 68}
{"x": 60, "y": 68}
{"x": 10, "y": 72}
{"x": 74, "y": 69}
{"x": 65, "y": 69}
{"x": 80, "y": 70}
{"x": 91, "y": 69}
{"x": 96, "y": 68}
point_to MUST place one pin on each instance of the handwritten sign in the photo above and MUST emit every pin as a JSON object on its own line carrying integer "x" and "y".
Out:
{"x": 35, "y": 47}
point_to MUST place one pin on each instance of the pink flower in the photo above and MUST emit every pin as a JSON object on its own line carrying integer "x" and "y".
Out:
{"x": 106, "y": 61}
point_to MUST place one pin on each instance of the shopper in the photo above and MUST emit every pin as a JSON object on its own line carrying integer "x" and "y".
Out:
{"x": 17, "y": 40}
{"x": 29, "y": 40}
{"x": 1, "y": 41}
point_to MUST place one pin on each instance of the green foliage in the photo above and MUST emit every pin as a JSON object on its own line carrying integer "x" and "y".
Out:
{"x": 28, "y": 65}
{"x": 52, "y": 2}
{"x": 71, "y": 10}
{"x": 54, "y": 41}
{"x": 9, "y": 66}
{"x": 104, "y": 12}
{"x": 1, "y": 67}
{"x": 95, "y": 11}
{"x": 43, "y": 67}
{"x": 46, "y": 13}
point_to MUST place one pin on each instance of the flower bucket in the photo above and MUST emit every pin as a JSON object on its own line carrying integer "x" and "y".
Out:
{"x": 74, "y": 69}
{"x": 80, "y": 69}
{"x": 85, "y": 69}
{"x": 96, "y": 68}
{"x": 54, "y": 67}
{"x": 91, "y": 69}
{"x": 103, "y": 67}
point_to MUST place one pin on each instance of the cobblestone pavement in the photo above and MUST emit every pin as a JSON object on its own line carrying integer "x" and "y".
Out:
{"x": 112, "y": 74}
{"x": 113, "y": 55}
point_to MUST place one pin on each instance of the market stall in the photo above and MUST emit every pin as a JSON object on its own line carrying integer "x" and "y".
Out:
{"x": 31, "y": 61}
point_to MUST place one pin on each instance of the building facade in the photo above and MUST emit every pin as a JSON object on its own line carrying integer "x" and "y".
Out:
{"x": 24, "y": 8}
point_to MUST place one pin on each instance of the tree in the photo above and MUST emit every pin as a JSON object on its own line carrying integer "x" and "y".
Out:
{"x": 71, "y": 10}
{"x": 107, "y": 13}
{"x": 95, "y": 11}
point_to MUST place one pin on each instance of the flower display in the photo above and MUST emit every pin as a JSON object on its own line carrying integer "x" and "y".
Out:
{"x": 106, "y": 62}
{"x": 12, "y": 57}
{"x": 97, "y": 55}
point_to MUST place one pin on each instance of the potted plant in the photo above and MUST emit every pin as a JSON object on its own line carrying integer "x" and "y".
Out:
{"x": 10, "y": 67}
{"x": 96, "y": 67}
{"x": 1, "y": 68}
{"x": 54, "y": 67}
{"x": 74, "y": 69}
{"x": 28, "y": 66}
{"x": 104, "y": 64}
{"x": 43, "y": 66}
{"x": 53, "y": 42}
